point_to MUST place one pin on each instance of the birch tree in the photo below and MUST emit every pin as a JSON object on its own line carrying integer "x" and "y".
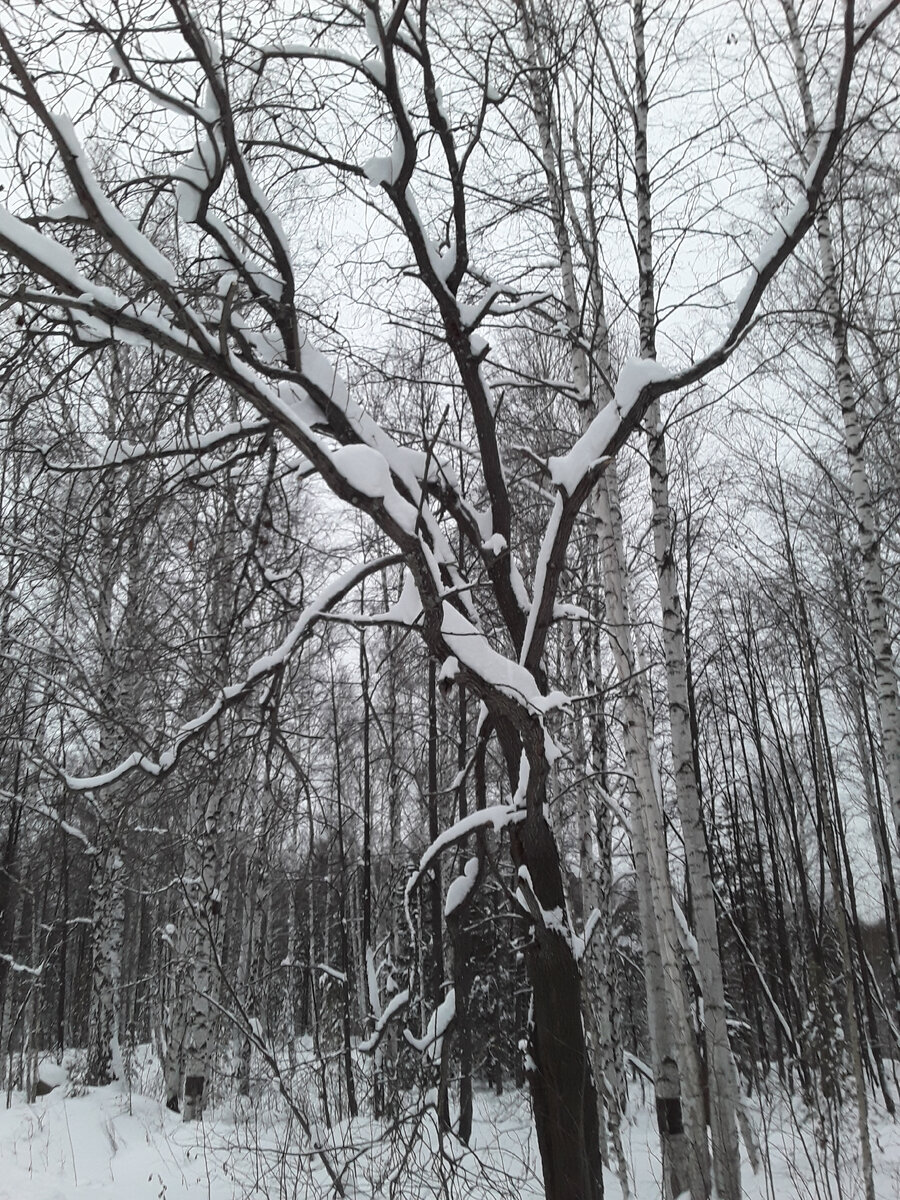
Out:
{"x": 721, "y": 1072}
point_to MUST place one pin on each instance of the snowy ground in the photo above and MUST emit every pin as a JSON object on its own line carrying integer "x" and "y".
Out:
{"x": 112, "y": 1144}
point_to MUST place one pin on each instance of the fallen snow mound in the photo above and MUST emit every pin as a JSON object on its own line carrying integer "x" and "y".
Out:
{"x": 103, "y": 1146}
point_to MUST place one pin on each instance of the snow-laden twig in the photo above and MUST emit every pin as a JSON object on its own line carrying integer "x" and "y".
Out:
{"x": 44, "y": 810}
{"x": 21, "y": 968}
{"x": 496, "y": 816}
{"x": 432, "y": 1040}
{"x": 120, "y": 453}
{"x": 396, "y": 1003}
{"x": 236, "y": 692}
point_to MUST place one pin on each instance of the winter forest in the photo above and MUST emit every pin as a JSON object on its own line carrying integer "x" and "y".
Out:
{"x": 449, "y": 715}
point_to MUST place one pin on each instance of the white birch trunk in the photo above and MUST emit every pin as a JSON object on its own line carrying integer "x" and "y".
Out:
{"x": 723, "y": 1080}
{"x": 392, "y": 983}
{"x": 7, "y": 1033}
{"x": 601, "y": 958}
{"x": 107, "y": 895}
{"x": 596, "y": 1003}
{"x": 108, "y": 904}
{"x": 676, "y": 1064}
{"x": 174, "y": 1014}
{"x": 204, "y": 901}
{"x": 250, "y": 966}
{"x": 722, "y": 1075}
{"x": 596, "y": 873}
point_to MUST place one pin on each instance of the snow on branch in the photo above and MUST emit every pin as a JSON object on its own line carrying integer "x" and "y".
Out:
{"x": 549, "y": 920}
{"x": 395, "y": 478}
{"x": 134, "y": 245}
{"x": 231, "y": 695}
{"x": 332, "y": 972}
{"x": 591, "y": 448}
{"x": 44, "y": 810}
{"x": 495, "y": 816}
{"x": 472, "y": 649}
{"x": 21, "y": 968}
{"x": 461, "y": 887}
{"x": 396, "y": 1003}
{"x": 121, "y": 453}
{"x": 432, "y": 1041}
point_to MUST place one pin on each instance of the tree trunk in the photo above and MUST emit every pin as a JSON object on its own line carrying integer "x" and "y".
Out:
{"x": 204, "y": 903}
{"x": 680, "y": 1108}
{"x": 456, "y": 925}
{"x": 557, "y": 1068}
{"x": 681, "y": 1118}
{"x": 601, "y": 963}
{"x": 174, "y": 1012}
{"x": 346, "y": 1005}
{"x": 106, "y": 969}
{"x": 721, "y": 1071}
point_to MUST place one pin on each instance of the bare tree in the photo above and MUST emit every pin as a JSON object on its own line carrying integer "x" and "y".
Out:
{"x": 254, "y": 108}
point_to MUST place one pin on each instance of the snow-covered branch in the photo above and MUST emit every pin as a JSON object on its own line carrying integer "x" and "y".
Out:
{"x": 234, "y": 693}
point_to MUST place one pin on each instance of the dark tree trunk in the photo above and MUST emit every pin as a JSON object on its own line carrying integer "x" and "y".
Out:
{"x": 436, "y": 907}
{"x": 342, "y": 915}
{"x": 462, "y": 965}
{"x": 557, "y": 1069}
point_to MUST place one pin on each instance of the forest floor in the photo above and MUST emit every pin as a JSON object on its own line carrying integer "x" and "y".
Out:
{"x": 115, "y": 1144}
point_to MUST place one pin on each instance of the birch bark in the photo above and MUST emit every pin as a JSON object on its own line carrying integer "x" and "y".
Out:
{"x": 595, "y": 887}
{"x": 600, "y": 957}
{"x": 174, "y": 1011}
{"x": 108, "y": 906}
{"x": 676, "y": 1065}
{"x": 107, "y": 896}
{"x": 252, "y": 954}
{"x": 721, "y": 1071}
{"x": 204, "y": 903}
